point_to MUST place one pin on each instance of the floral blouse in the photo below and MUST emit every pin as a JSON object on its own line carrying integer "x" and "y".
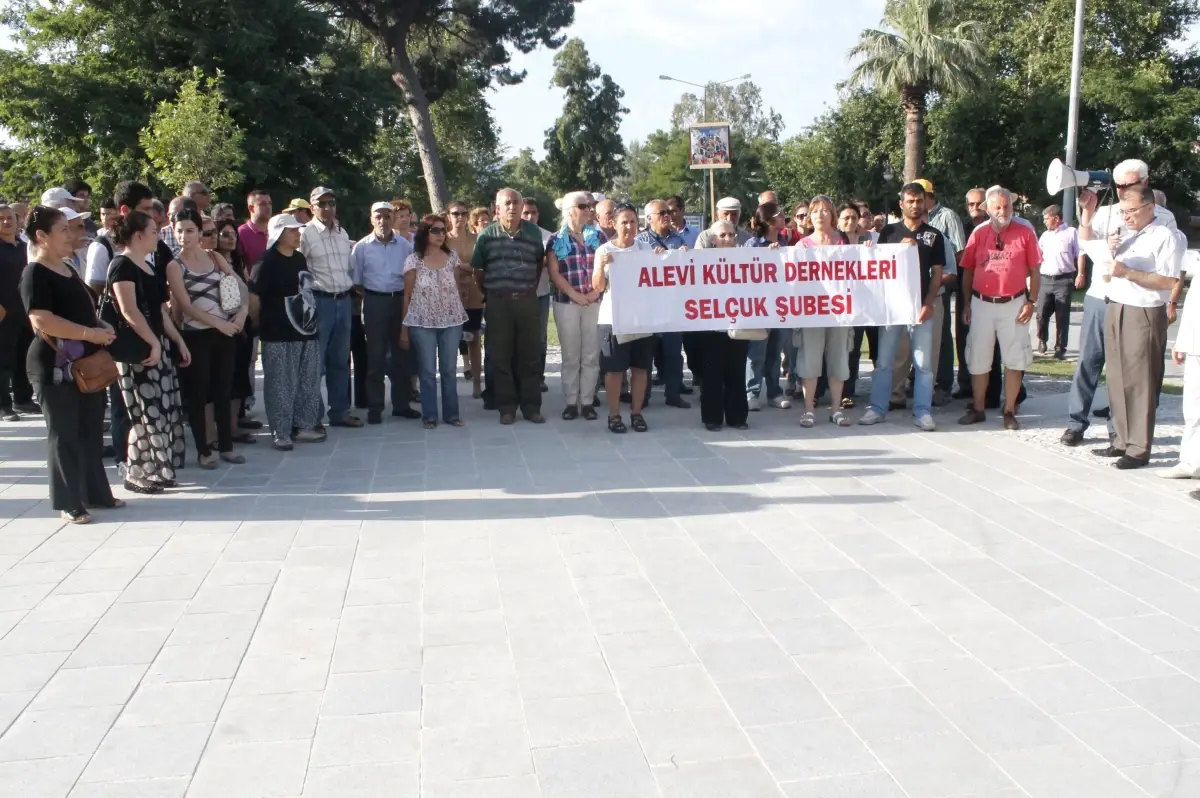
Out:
{"x": 435, "y": 301}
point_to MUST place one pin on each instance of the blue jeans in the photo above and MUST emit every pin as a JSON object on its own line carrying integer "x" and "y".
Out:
{"x": 670, "y": 366}
{"x": 333, "y": 340}
{"x": 762, "y": 360}
{"x": 437, "y": 350}
{"x": 921, "y": 339}
{"x": 118, "y": 422}
{"x": 1091, "y": 363}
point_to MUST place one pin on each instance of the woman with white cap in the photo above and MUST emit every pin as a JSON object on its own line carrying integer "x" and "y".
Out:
{"x": 286, "y": 320}
{"x": 570, "y": 258}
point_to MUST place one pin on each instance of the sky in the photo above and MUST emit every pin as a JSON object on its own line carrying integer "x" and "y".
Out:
{"x": 797, "y": 66}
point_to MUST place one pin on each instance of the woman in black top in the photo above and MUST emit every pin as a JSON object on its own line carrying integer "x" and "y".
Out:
{"x": 60, "y": 309}
{"x": 151, "y": 388}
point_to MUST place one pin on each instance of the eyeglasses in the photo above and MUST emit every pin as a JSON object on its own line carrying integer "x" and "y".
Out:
{"x": 585, "y": 206}
{"x": 1127, "y": 212}
{"x": 458, "y": 213}
{"x": 437, "y": 231}
{"x": 802, "y": 216}
{"x": 208, "y": 233}
{"x": 327, "y": 204}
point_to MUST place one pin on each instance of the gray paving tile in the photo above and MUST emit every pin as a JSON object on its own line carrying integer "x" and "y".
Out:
{"x": 890, "y": 713}
{"x": 366, "y": 739}
{"x": 475, "y": 752}
{"x": 1069, "y": 771}
{"x": 1130, "y": 736}
{"x": 144, "y": 788}
{"x": 182, "y": 702}
{"x": 577, "y": 720}
{"x": 759, "y": 702}
{"x": 251, "y": 770}
{"x": 867, "y": 785}
{"x": 56, "y": 733}
{"x": 1167, "y": 779}
{"x": 146, "y": 752}
{"x": 728, "y": 778}
{"x": 1175, "y": 699}
{"x": 1064, "y": 689}
{"x": 89, "y": 687}
{"x": 613, "y": 769}
{"x": 795, "y": 751}
{"x": 40, "y": 778}
{"x": 268, "y": 718}
{"x": 399, "y": 779}
{"x": 946, "y": 764}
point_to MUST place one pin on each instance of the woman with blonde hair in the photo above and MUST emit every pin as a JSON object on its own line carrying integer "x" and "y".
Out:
{"x": 831, "y": 344}
{"x": 570, "y": 257}
{"x": 480, "y": 218}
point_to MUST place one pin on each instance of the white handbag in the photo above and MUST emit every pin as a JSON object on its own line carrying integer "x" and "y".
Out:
{"x": 740, "y": 334}
{"x": 231, "y": 293}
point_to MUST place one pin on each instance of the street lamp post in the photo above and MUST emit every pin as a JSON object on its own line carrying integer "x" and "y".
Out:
{"x": 712, "y": 192}
{"x": 1073, "y": 112}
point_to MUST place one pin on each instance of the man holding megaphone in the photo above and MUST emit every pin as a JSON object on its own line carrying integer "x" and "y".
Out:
{"x": 1095, "y": 223}
{"x": 1145, "y": 267}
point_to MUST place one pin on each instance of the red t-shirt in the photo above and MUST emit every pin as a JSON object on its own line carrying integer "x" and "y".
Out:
{"x": 1002, "y": 261}
{"x": 253, "y": 243}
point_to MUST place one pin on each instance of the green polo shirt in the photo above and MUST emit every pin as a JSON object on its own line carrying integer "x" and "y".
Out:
{"x": 509, "y": 263}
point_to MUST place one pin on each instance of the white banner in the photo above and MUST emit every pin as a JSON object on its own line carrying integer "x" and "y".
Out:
{"x": 755, "y": 288}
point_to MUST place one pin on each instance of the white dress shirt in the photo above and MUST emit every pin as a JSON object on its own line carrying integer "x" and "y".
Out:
{"x": 327, "y": 251}
{"x": 1101, "y": 228}
{"x": 1154, "y": 249}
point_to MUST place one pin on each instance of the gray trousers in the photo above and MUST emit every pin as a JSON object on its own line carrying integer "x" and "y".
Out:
{"x": 383, "y": 317}
{"x": 1091, "y": 363}
{"x": 1135, "y": 342}
{"x": 291, "y": 385}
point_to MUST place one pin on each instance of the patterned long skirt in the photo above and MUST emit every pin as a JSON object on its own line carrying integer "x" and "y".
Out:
{"x": 152, "y": 401}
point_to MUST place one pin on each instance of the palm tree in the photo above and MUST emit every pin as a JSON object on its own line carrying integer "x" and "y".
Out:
{"x": 921, "y": 49}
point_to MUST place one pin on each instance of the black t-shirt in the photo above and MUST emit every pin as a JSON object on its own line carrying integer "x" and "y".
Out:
{"x": 150, "y": 293}
{"x": 66, "y": 297}
{"x": 288, "y": 311}
{"x": 931, "y": 249}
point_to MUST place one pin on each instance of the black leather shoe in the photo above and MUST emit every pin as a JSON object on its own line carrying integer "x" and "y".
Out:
{"x": 1071, "y": 438}
{"x": 1101, "y": 413}
{"x": 1127, "y": 463}
{"x": 1109, "y": 451}
{"x": 406, "y": 412}
{"x": 683, "y": 404}
{"x": 687, "y": 390}
{"x": 713, "y": 427}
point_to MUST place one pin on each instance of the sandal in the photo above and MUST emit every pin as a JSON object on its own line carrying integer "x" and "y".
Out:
{"x": 616, "y": 424}
{"x": 431, "y": 424}
{"x": 457, "y": 422}
{"x": 589, "y": 413}
{"x": 570, "y": 413}
{"x": 808, "y": 420}
{"x": 839, "y": 418}
{"x": 848, "y": 403}
{"x": 76, "y": 517}
{"x": 145, "y": 490}
{"x": 638, "y": 423}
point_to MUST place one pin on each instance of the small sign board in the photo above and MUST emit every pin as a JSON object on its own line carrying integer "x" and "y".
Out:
{"x": 710, "y": 146}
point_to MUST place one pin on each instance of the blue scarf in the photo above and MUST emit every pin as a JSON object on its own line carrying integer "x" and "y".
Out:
{"x": 562, "y": 242}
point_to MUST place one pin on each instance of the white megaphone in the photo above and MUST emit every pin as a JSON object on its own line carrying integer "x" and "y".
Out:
{"x": 1060, "y": 176}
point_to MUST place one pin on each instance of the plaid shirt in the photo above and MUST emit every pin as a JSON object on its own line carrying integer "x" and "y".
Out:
{"x": 575, "y": 267}
{"x": 167, "y": 234}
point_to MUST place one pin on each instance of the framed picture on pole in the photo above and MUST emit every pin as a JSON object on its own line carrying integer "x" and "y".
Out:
{"x": 710, "y": 146}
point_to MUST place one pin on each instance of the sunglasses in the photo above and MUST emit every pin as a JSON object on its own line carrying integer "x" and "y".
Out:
{"x": 585, "y": 206}
{"x": 327, "y": 204}
{"x": 1123, "y": 186}
{"x": 208, "y": 233}
{"x": 458, "y": 213}
{"x": 802, "y": 216}
{"x": 437, "y": 231}
{"x": 999, "y": 243}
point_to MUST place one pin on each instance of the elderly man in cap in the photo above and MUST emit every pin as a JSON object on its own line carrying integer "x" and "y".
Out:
{"x": 301, "y": 209}
{"x": 326, "y": 249}
{"x": 729, "y": 209}
{"x": 379, "y": 278}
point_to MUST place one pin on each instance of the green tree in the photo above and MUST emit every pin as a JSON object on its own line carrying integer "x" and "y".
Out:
{"x": 430, "y": 44}
{"x": 924, "y": 47}
{"x": 193, "y": 137}
{"x": 85, "y": 77}
{"x": 740, "y": 105}
{"x": 525, "y": 174}
{"x": 584, "y": 148}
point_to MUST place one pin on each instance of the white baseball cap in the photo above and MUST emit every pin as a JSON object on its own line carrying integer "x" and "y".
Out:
{"x": 71, "y": 214}
{"x": 279, "y": 223}
{"x": 381, "y": 206}
{"x": 729, "y": 204}
{"x": 58, "y": 197}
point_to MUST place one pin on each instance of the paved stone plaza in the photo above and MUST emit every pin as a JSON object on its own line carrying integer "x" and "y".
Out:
{"x": 555, "y": 611}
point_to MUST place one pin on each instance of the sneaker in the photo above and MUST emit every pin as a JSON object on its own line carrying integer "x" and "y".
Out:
{"x": 8, "y": 414}
{"x": 871, "y": 417}
{"x": 1071, "y": 437}
{"x": 754, "y": 402}
{"x": 925, "y": 422}
{"x": 1179, "y": 471}
{"x": 282, "y": 444}
{"x": 309, "y": 436}
{"x": 780, "y": 403}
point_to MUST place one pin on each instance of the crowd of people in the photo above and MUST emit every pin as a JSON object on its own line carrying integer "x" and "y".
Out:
{"x": 186, "y": 300}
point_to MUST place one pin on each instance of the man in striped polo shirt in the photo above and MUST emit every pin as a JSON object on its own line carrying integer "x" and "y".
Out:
{"x": 508, "y": 261}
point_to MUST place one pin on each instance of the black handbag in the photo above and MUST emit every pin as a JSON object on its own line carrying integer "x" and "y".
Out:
{"x": 128, "y": 346}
